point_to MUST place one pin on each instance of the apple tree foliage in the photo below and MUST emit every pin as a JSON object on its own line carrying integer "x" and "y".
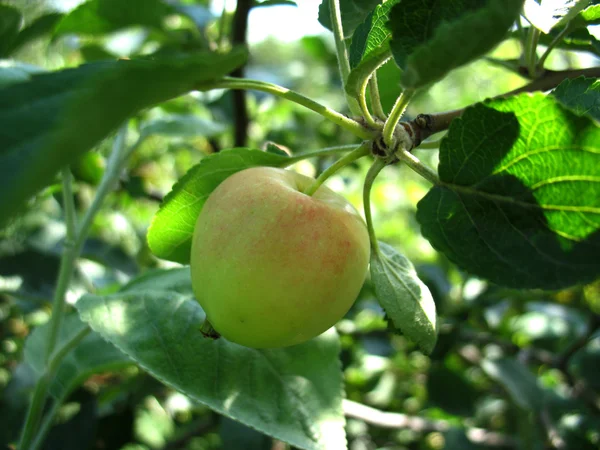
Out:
{"x": 501, "y": 330}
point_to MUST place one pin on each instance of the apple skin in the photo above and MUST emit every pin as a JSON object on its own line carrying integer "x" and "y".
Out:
{"x": 272, "y": 266}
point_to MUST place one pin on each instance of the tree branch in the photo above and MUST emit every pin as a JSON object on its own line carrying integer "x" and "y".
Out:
{"x": 240, "y": 110}
{"x": 384, "y": 419}
{"x": 425, "y": 125}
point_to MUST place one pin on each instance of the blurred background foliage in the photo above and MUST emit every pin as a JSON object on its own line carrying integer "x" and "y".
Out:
{"x": 543, "y": 392}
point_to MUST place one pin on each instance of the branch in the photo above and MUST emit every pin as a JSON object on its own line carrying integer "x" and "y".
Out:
{"x": 425, "y": 125}
{"x": 240, "y": 110}
{"x": 384, "y": 419}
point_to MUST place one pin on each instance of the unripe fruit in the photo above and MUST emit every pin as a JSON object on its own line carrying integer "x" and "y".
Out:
{"x": 272, "y": 266}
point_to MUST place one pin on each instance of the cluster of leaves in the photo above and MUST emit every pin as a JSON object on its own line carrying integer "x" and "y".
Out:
{"x": 516, "y": 203}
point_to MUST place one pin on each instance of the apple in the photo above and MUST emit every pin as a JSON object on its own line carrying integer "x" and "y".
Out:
{"x": 272, "y": 266}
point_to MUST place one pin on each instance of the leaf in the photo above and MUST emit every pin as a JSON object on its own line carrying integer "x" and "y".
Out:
{"x": 404, "y": 297}
{"x": 580, "y": 95}
{"x": 293, "y": 394}
{"x": 591, "y": 15}
{"x": 39, "y": 27}
{"x": 372, "y": 35}
{"x": 547, "y": 15}
{"x": 519, "y": 197}
{"x": 10, "y": 22}
{"x": 520, "y": 384}
{"x": 98, "y": 17}
{"x": 353, "y": 13}
{"x": 459, "y": 399}
{"x": 51, "y": 120}
{"x": 430, "y": 38}
{"x": 183, "y": 126}
{"x": 92, "y": 355}
{"x": 171, "y": 230}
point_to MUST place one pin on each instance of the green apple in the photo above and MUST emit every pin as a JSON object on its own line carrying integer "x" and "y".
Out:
{"x": 272, "y": 266}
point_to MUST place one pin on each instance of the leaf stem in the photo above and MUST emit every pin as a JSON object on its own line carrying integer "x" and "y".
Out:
{"x": 362, "y": 150}
{"x": 40, "y": 393}
{"x": 533, "y": 37}
{"x": 395, "y": 115}
{"x": 72, "y": 248}
{"x": 362, "y": 101}
{"x": 415, "y": 164}
{"x": 342, "y": 51}
{"x": 554, "y": 43}
{"x": 375, "y": 98}
{"x": 327, "y": 151}
{"x": 374, "y": 170}
{"x": 339, "y": 119}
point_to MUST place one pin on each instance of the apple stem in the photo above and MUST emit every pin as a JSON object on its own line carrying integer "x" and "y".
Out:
{"x": 208, "y": 331}
{"x": 362, "y": 150}
{"x": 377, "y": 166}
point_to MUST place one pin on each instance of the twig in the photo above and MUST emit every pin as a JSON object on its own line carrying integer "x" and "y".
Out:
{"x": 425, "y": 125}
{"x": 385, "y": 419}
{"x": 240, "y": 110}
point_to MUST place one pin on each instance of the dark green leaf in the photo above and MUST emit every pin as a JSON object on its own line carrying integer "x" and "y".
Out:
{"x": 373, "y": 35}
{"x": 98, "y": 17}
{"x": 10, "y": 22}
{"x": 519, "y": 198}
{"x": 580, "y": 95}
{"x": 430, "y": 38}
{"x": 584, "y": 364}
{"x": 51, "y": 120}
{"x": 404, "y": 297}
{"x": 520, "y": 384}
{"x": 237, "y": 436}
{"x": 39, "y": 27}
{"x": 449, "y": 390}
{"x": 293, "y": 394}
{"x": 353, "y": 12}
{"x": 92, "y": 355}
{"x": 170, "y": 234}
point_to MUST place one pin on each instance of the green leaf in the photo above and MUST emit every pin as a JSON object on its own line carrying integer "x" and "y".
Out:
{"x": 404, "y": 297}
{"x": 171, "y": 231}
{"x": 370, "y": 48}
{"x": 92, "y": 355}
{"x": 98, "y": 17}
{"x": 10, "y": 22}
{"x": 591, "y": 15}
{"x": 51, "y": 120}
{"x": 520, "y": 384}
{"x": 430, "y": 38}
{"x": 293, "y": 394}
{"x": 183, "y": 127}
{"x": 39, "y": 27}
{"x": 581, "y": 96}
{"x": 519, "y": 198}
{"x": 372, "y": 35}
{"x": 353, "y": 12}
